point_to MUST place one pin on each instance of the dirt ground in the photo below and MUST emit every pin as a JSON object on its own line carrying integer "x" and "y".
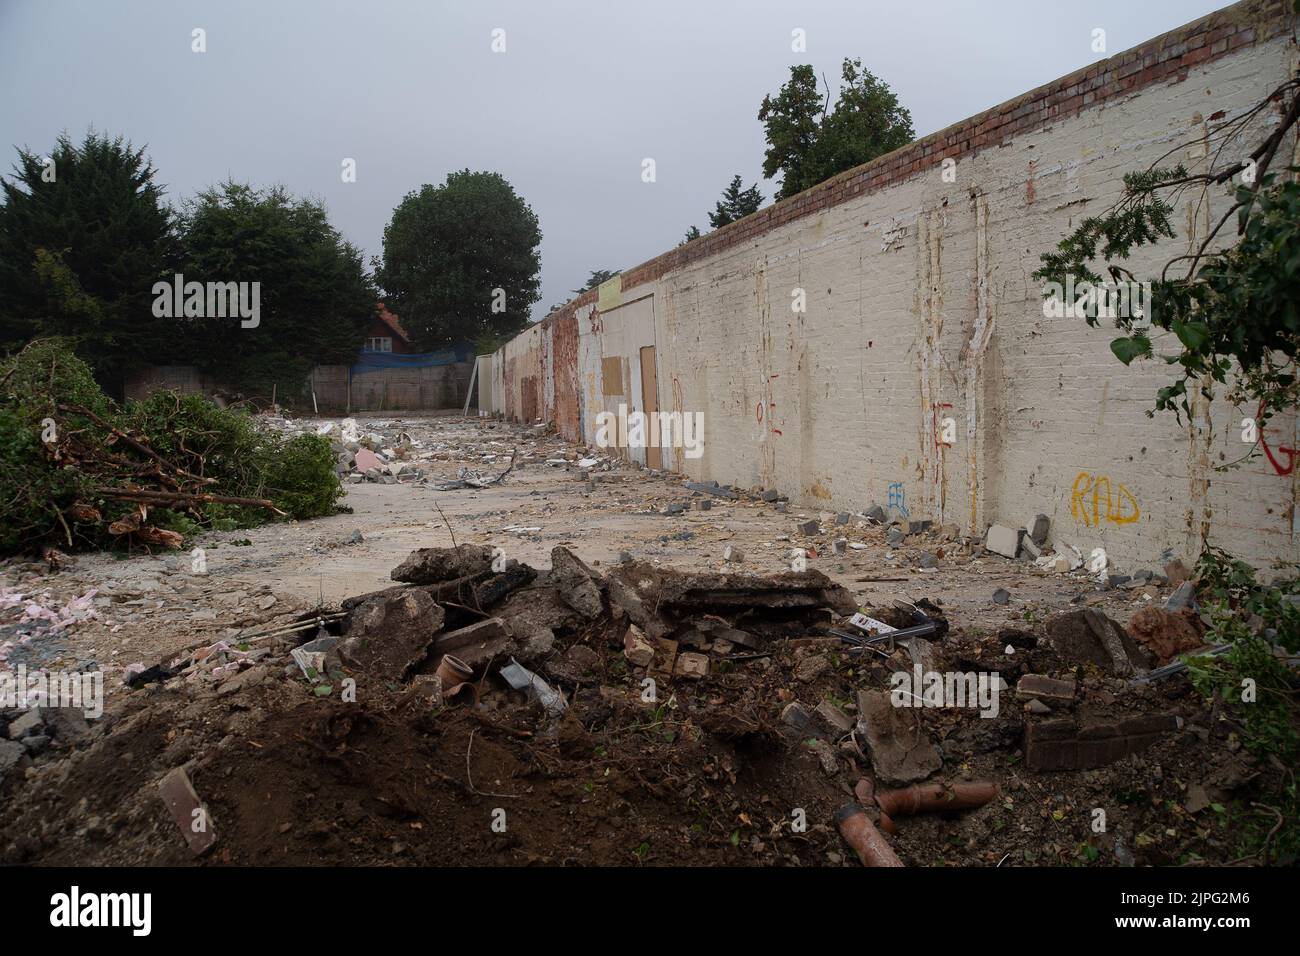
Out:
{"x": 709, "y": 773}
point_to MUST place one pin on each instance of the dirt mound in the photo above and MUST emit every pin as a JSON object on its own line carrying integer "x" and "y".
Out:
{"x": 733, "y": 742}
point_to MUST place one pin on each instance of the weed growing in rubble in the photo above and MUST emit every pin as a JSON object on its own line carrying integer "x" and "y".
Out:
{"x": 1258, "y": 689}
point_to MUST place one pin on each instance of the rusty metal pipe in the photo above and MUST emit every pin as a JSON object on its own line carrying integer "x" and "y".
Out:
{"x": 860, "y": 833}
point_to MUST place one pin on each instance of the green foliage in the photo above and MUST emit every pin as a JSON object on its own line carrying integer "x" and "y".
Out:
{"x": 807, "y": 145}
{"x": 300, "y": 477}
{"x": 792, "y": 120}
{"x": 1232, "y": 316}
{"x": 447, "y": 250}
{"x": 691, "y": 234}
{"x": 46, "y": 487}
{"x": 34, "y": 489}
{"x": 736, "y": 203}
{"x": 1232, "y": 583}
{"x": 298, "y": 474}
{"x": 1256, "y": 620}
{"x": 315, "y": 298}
{"x": 82, "y": 240}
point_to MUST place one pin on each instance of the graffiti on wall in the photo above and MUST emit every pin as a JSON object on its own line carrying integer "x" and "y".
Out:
{"x": 1290, "y": 453}
{"x": 1094, "y": 499}
{"x": 897, "y": 498}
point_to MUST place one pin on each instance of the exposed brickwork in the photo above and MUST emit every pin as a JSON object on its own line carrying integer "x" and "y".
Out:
{"x": 1064, "y": 745}
{"x": 1166, "y": 59}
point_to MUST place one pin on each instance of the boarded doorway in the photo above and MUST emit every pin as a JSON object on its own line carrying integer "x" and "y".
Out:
{"x": 650, "y": 404}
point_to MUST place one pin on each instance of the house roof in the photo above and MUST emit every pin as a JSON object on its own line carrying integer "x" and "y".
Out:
{"x": 392, "y": 322}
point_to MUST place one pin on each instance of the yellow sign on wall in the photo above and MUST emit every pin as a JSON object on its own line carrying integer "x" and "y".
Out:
{"x": 609, "y": 294}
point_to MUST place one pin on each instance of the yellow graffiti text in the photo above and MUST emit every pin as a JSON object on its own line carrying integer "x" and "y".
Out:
{"x": 1093, "y": 500}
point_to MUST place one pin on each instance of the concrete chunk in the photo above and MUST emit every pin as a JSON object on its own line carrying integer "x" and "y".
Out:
{"x": 191, "y": 816}
{"x": 1003, "y": 540}
{"x": 1039, "y": 687}
{"x": 637, "y": 647}
{"x": 712, "y": 489}
{"x": 1038, "y": 529}
{"x": 900, "y": 750}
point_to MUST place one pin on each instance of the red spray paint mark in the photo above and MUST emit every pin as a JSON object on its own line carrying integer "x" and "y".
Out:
{"x": 1289, "y": 452}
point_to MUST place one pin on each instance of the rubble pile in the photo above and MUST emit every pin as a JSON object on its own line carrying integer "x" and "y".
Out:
{"x": 636, "y": 715}
{"x": 391, "y": 451}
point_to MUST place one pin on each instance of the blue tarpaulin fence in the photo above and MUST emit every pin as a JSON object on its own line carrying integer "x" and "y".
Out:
{"x": 377, "y": 361}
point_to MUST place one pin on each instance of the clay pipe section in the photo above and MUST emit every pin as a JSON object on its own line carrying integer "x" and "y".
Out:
{"x": 861, "y": 834}
{"x": 930, "y": 797}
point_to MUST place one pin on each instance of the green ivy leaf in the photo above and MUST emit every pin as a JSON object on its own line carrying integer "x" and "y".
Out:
{"x": 1126, "y": 349}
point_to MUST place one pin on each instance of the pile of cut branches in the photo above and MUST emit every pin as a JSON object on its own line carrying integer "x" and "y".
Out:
{"x": 77, "y": 471}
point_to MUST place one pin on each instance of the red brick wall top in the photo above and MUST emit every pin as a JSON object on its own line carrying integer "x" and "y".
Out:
{"x": 1166, "y": 59}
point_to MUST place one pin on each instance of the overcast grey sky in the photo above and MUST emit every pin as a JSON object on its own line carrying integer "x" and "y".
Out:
{"x": 585, "y": 90}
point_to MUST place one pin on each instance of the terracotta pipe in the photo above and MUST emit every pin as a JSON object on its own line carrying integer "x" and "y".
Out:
{"x": 928, "y": 797}
{"x": 860, "y": 833}
{"x": 453, "y": 671}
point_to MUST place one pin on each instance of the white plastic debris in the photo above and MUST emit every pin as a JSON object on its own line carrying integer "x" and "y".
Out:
{"x": 870, "y": 624}
{"x": 521, "y": 678}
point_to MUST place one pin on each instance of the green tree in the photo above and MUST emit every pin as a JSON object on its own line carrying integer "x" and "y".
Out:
{"x": 792, "y": 120}
{"x": 315, "y": 297}
{"x": 84, "y": 234}
{"x": 461, "y": 260}
{"x": 595, "y": 279}
{"x": 807, "y": 144}
{"x": 736, "y": 203}
{"x": 1232, "y": 313}
{"x": 691, "y": 233}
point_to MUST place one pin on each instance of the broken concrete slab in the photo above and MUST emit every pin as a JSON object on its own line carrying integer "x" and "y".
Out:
{"x": 1003, "y": 540}
{"x": 1183, "y": 598}
{"x": 387, "y": 636}
{"x": 900, "y": 750}
{"x": 801, "y": 726}
{"x": 576, "y": 582}
{"x": 835, "y": 718}
{"x": 11, "y": 751}
{"x": 451, "y": 642}
{"x": 715, "y": 490}
{"x": 432, "y": 565}
{"x": 1038, "y": 528}
{"x": 655, "y": 597}
{"x": 1086, "y": 636}
{"x": 29, "y": 723}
